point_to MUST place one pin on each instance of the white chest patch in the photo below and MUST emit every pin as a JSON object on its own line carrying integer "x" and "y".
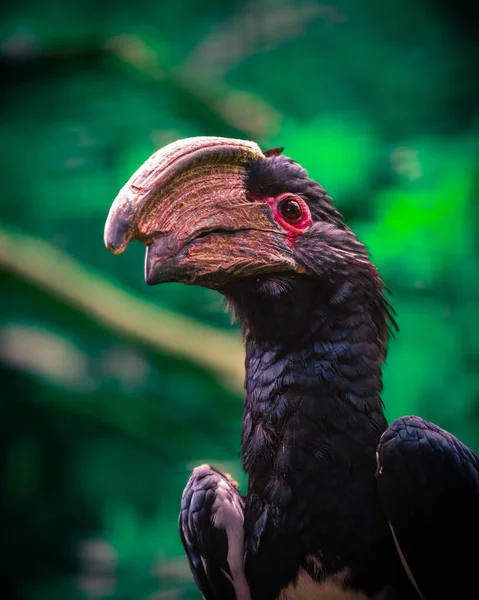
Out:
{"x": 305, "y": 588}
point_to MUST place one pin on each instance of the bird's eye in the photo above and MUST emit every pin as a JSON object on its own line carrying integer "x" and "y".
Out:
{"x": 290, "y": 209}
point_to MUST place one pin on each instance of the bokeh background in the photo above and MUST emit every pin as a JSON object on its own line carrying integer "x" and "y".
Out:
{"x": 112, "y": 391}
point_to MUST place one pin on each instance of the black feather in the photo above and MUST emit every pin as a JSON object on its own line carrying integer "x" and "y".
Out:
{"x": 313, "y": 418}
{"x": 205, "y": 540}
{"x": 428, "y": 482}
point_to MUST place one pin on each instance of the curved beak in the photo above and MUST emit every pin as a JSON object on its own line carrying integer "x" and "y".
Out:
{"x": 188, "y": 203}
{"x": 173, "y": 180}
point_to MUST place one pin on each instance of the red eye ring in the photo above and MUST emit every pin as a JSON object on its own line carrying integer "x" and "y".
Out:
{"x": 290, "y": 209}
{"x": 292, "y": 213}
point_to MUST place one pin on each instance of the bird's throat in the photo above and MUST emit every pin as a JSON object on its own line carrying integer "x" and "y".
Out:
{"x": 313, "y": 372}
{"x": 312, "y": 420}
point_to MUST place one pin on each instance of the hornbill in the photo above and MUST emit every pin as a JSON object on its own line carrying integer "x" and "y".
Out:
{"x": 339, "y": 505}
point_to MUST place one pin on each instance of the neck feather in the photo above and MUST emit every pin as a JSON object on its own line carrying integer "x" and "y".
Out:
{"x": 312, "y": 421}
{"x": 314, "y": 352}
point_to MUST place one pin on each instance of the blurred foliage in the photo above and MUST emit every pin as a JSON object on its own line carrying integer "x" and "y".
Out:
{"x": 107, "y": 402}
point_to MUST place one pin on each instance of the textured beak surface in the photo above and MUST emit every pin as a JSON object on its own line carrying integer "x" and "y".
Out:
{"x": 188, "y": 204}
{"x": 172, "y": 181}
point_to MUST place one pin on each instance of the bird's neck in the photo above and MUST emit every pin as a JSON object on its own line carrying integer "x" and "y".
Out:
{"x": 314, "y": 352}
{"x": 312, "y": 421}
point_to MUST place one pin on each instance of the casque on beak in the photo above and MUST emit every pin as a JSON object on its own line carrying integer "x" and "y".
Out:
{"x": 173, "y": 178}
{"x": 188, "y": 204}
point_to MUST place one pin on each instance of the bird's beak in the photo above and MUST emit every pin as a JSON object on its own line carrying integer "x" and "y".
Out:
{"x": 188, "y": 204}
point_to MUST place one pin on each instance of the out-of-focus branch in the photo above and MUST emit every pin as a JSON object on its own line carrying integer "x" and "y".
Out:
{"x": 61, "y": 275}
{"x": 259, "y": 25}
{"x": 239, "y": 109}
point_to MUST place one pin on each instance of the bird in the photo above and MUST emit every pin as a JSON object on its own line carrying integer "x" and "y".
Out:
{"x": 339, "y": 504}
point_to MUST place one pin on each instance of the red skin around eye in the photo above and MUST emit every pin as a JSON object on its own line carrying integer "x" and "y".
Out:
{"x": 292, "y": 229}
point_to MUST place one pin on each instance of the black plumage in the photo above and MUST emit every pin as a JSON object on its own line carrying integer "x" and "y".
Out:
{"x": 211, "y": 497}
{"x": 428, "y": 483}
{"x": 338, "y": 505}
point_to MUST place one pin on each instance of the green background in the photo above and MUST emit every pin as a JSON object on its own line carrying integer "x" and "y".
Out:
{"x": 112, "y": 391}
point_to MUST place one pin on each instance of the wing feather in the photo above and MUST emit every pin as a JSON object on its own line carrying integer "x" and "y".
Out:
{"x": 211, "y": 529}
{"x": 428, "y": 483}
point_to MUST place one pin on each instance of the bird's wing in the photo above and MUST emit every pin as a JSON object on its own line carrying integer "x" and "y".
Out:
{"x": 428, "y": 483}
{"x": 211, "y": 529}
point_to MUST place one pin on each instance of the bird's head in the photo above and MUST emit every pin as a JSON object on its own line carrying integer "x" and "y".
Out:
{"x": 217, "y": 211}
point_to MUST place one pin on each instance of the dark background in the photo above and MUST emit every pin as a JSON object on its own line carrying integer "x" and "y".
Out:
{"x": 112, "y": 391}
